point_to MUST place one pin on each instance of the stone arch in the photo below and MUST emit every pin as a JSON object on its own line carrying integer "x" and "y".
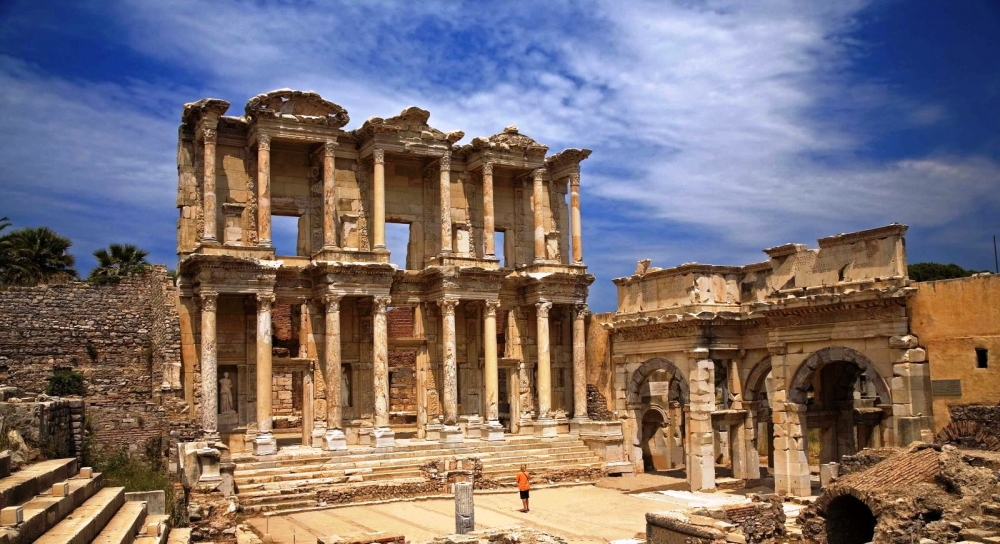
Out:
{"x": 755, "y": 381}
{"x": 803, "y": 377}
{"x": 634, "y": 399}
{"x": 968, "y": 434}
{"x": 849, "y": 520}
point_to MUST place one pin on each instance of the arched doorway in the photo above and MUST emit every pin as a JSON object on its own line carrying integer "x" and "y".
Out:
{"x": 758, "y": 394}
{"x": 849, "y": 521}
{"x": 845, "y": 399}
{"x": 656, "y": 395}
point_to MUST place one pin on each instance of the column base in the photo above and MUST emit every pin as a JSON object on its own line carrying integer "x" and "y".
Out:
{"x": 577, "y": 423}
{"x": 335, "y": 440}
{"x": 211, "y": 436}
{"x": 471, "y": 426}
{"x": 209, "y": 465}
{"x": 546, "y": 428}
{"x": 451, "y": 434}
{"x": 265, "y": 444}
{"x": 384, "y": 437}
{"x": 432, "y": 431}
{"x": 494, "y": 431}
{"x": 318, "y": 432}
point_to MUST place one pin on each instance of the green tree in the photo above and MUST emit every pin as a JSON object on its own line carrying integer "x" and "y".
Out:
{"x": 118, "y": 261}
{"x": 32, "y": 256}
{"x": 937, "y": 271}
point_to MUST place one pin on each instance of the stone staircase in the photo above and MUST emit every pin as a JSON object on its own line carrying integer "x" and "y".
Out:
{"x": 54, "y": 502}
{"x": 296, "y": 480}
{"x": 986, "y": 526}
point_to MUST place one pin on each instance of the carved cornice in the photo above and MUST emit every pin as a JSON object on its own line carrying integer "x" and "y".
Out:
{"x": 195, "y": 111}
{"x": 509, "y": 139}
{"x": 894, "y": 229}
{"x": 571, "y": 157}
{"x": 303, "y": 106}
{"x": 412, "y": 119}
{"x": 657, "y": 332}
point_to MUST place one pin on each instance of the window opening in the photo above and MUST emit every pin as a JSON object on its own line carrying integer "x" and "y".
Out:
{"x": 397, "y": 241}
{"x": 499, "y": 246}
{"x": 285, "y": 234}
{"x": 982, "y": 358}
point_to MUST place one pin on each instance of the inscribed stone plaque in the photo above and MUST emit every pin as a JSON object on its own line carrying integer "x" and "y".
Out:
{"x": 942, "y": 388}
{"x": 659, "y": 389}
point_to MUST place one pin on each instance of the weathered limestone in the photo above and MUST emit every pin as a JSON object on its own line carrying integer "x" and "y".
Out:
{"x": 210, "y": 136}
{"x": 380, "y": 364}
{"x": 448, "y": 305}
{"x": 489, "y": 239}
{"x": 334, "y": 439}
{"x": 538, "y": 196}
{"x": 580, "y": 313}
{"x": 445, "y": 184}
{"x": 701, "y": 438}
{"x": 378, "y": 206}
{"x": 264, "y": 442}
{"x": 574, "y": 204}
{"x": 465, "y": 509}
{"x": 493, "y": 428}
{"x": 264, "y": 190}
{"x": 330, "y": 227}
{"x": 544, "y": 425}
{"x": 209, "y": 367}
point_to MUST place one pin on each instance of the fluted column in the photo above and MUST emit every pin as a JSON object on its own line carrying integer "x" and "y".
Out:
{"x": 537, "y": 197}
{"x": 490, "y": 349}
{"x": 488, "y": 220}
{"x": 380, "y": 364}
{"x": 209, "y": 368}
{"x": 329, "y": 197}
{"x": 450, "y": 395}
{"x": 574, "y": 203}
{"x": 544, "y": 372}
{"x": 264, "y": 444}
{"x": 580, "y": 361}
{"x": 209, "y": 201}
{"x": 334, "y": 438}
{"x": 379, "y": 205}
{"x": 446, "y": 203}
{"x": 264, "y": 189}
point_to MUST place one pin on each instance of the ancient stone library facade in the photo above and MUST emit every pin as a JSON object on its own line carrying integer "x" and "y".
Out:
{"x": 476, "y": 350}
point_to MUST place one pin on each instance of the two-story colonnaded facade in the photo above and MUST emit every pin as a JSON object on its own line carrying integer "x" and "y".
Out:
{"x": 799, "y": 360}
{"x": 472, "y": 338}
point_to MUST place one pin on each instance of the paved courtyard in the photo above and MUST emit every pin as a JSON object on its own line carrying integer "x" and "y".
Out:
{"x": 578, "y": 514}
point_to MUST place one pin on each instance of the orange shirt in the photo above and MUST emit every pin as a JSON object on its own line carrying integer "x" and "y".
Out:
{"x": 522, "y": 481}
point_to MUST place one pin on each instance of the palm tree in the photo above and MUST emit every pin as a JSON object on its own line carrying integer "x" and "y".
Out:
{"x": 118, "y": 261}
{"x": 35, "y": 255}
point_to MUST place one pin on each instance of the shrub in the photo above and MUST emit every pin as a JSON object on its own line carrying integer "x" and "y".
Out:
{"x": 65, "y": 382}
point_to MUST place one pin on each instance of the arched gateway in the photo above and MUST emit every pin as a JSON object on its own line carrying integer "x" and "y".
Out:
{"x": 657, "y": 394}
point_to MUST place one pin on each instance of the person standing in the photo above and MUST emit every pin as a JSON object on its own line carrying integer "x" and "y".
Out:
{"x": 523, "y": 485}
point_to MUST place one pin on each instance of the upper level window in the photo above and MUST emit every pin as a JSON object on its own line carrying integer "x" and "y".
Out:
{"x": 982, "y": 358}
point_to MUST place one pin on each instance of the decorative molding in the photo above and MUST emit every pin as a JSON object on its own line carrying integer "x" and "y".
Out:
{"x": 581, "y": 310}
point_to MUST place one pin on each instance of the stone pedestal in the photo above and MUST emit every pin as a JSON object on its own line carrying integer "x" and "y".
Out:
{"x": 451, "y": 434}
{"x": 433, "y": 431}
{"x": 335, "y": 440}
{"x": 318, "y": 433}
{"x": 546, "y": 428}
{"x": 208, "y": 461}
{"x": 828, "y": 472}
{"x": 471, "y": 426}
{"x": 384, "y": 437}
{"x": 265, "y": 444}
{"x": 494, "y": 431}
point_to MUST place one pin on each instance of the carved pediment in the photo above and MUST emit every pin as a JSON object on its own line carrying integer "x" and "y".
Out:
{"x": 305, "y": 106}
{"x": 567, "y": 157}
{"x": 509, "y": 139}
{"x": 413, "y": 120}
{"x": 193, "y": 111}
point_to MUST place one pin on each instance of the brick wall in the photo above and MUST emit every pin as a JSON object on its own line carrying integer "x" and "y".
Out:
{"x": 400, "y": 322}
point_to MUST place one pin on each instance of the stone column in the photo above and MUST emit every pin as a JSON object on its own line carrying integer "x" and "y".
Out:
{"x": 574, "y": 203}
{"x": 329, "y": 197}
{"x": 264, "y": 189}
{"x": 791, "y": 462}
{"x": 544, "y": 425}
{"x": 307, "y": 405}
{"x": 701, "y": 452}
{"x": 334, "y": 439}
{"x": 303, "y": 330}
{"x": 209, "y": 368}
{"x": 489, "y": 239}
{"x": 450, "y": 393}
{"x": 580, "y": 362}
{"x": 384, "y": 437}
{"x": 209, "y": 205}
{"x": 378, "y": 207}
{"x": 446, "y": 203}
{"x": 493, "y": 428}
{"x": 264, "y": 444}
{"x": 537, "y": 198}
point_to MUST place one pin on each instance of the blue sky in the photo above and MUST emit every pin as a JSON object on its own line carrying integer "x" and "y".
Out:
{"x": 718, "y": 127}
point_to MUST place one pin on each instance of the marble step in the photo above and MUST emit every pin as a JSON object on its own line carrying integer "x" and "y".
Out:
{"x": 88, "y": 520}
{"x": 179, "y": 536}
{"x": 156, "y": 530}
{"x": 34, "y": 479}
{"x": 44, "y": 511}
{"x": 125, "y": 526}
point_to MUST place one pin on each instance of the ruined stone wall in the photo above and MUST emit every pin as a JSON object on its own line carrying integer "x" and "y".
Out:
{"x": 51, "y": 428}
{"x": 600, "y": 371}
{"x": 952, "y": 319}
{"x": 120, "y": 337}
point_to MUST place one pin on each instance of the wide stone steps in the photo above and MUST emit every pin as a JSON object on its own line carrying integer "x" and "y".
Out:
{"x": 289, "y": 482}
{"x": 32, "y": 480}
{"x": 123, "y": 528}
{"x": 45, "y": 510}
{"x": 87, "y": 521}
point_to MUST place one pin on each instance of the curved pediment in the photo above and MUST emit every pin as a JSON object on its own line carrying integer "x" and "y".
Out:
{"x": 412, "y": 120}
{"x": 306, "y": 106}
{"x": 510, "y": 138}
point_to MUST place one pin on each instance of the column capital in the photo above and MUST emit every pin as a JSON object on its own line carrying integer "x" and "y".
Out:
{"x": 381, "y": 303}
{"x": 581, "y": 310}
{"x": 448, "y": 305}
{"x": 264, "y": 301}
{"x": 446, "y": 161}
{"x": 209, "y": 300}
{"x": 332, "y": 302}
{"x": 329, "y": 148}
{"x": 537, "y": 174}
{"x": 210, "y": 135}
{"x": 574, "y": 180}
{"x": 543, "y": 308}
{"x": 263, "y": 141}
{"x": 492, "y": 306}
{"x": 378, "y": 155}
{"x": 777, "y": 348}
{"x": 488, "y": 168}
